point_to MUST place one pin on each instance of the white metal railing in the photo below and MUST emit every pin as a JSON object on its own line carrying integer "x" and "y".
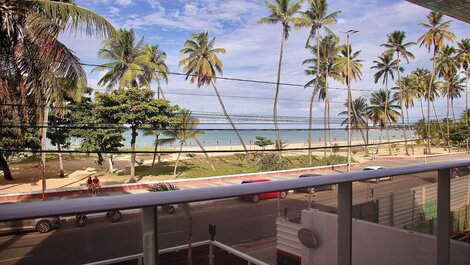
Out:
{"x": 149, "y": 201}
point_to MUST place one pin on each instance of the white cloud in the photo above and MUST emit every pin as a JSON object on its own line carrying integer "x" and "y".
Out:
{"x": 114, "y": 10}
{"x": 125, "y": 2}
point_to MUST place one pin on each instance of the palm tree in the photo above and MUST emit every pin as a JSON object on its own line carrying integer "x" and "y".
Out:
{"x": 382, "y": 110}
{"x": 454, "y": 91}
{"x": 419, "y": 86}
{"x": 358, "y": 117}
{"x": 317, "y": 18}
{"x": 355, "y": 73}
{"x": 127, "y": 61}
{"x": 386, "y": 65}
{"x": 185, "y": 131}
{"x": 407, "y": 95}
{"x": 463, "y": 57}
{"x": 201, "y": 65}
{"x": 329, "y": 67}
{"x": 395, "y": 44}
{"x": 437, "y": 32}
{"x": 282, "y": 12}
{"x": 157, "y": 70}
{"x": 446, "y": 67}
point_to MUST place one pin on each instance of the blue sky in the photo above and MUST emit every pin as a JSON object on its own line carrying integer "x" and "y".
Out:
{"x": 253, "y": 50}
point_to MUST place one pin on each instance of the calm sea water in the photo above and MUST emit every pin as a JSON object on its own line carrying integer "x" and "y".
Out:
{"x": 229, "y": 138}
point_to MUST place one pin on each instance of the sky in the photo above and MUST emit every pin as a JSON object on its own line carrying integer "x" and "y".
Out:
{"x": 253, "y": 49}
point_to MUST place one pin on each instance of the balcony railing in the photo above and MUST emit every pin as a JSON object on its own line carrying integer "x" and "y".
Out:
{"x": 149, "y": 201}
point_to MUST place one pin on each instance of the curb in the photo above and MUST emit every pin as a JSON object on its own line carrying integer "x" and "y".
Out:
{"x": 82, "y": 191}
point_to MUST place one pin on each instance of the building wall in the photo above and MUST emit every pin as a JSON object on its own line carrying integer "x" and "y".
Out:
{"x": 374, "y": 244}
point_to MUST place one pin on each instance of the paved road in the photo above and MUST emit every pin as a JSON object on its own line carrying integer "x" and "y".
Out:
{"x": 237, "y": 221}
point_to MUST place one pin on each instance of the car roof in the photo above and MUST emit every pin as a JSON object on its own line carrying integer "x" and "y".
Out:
{"x": 255, "y": 180}
{"x": 309, "y": 175}
{"x": 373, "y": 167}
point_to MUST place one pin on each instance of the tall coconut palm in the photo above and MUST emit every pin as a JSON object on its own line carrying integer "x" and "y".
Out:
{"x": 127, "y": 63}
{"x": 382, "y": 109}
{"x": 155, "y": 69}
{"x": 283, "y": 12}
{"x": 437, "y": 31}
{"x": 358, "y": 118}
{"x": 447, "y": 67}
{"x": 454, "y": 91}
{"x": 395, "y": 44}
{"x": 201, "y": 64}
{"x": 329, "y": 68}
{"x": 354, "y": 73}
{"x": 419, "y": 86}
{"x": 463, "y": 57}
{"x": 407, "y": 95}
{"x": 386, "y": 65}
{"x": 316, "y": 16}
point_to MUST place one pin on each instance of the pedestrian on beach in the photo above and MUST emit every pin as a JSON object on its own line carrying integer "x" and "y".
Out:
{"x": 96, "y": 185}
{"x": 89, "y": 184}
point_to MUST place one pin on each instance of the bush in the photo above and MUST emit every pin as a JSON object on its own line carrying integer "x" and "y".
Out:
{"x": 270, "y": 162}
{"x": 335, "y": 148}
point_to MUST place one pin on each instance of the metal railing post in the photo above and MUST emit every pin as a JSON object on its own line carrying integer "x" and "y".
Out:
{"x": 150, "y": 235}
{"x": 344, "y": 223}
{"x": 443, "y": 216}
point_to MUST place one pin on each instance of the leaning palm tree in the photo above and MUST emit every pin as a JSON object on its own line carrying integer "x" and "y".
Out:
{"x": 454, "y": 91}
{"x": 317, "y": 17}
{"x": 200, "y": 66}
{"x": 358, "y": 118}
{"x": 33, "y": 58}
{"x": 382, "y": 110}
{"x": 329, "y": 68}
{"x": 385, "y": 66}
{"x": 447, "y": 67}
{"x": 184, "y": 131}
{"x": 437, "y": 32}
{"x": 395, "y": 44}
{"x": 127, "y": 63}
{"x": 463, "y": 58}
{"x": 285, "y": 13}
{"x": 419, "y": 86}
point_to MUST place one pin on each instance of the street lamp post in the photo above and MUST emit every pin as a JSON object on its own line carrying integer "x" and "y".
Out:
{"x": 348, "y": 80}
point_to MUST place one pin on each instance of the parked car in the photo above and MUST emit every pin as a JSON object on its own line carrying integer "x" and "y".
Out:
{"x": 257, "y": 197}
{"x": 41, "y": 225}
{"x": 316, "y": 188}
{"x": 377, "y": 180}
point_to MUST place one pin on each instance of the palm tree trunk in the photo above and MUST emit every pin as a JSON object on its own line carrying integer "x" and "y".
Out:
{"x": 276, "y": 97}
{"x": 160, "y": 90}
{"x": 178, "y": 159}
{"x": 45, "y": 121}
{"x": 466, "y": 106}
{"x": 5, "y": 168}
{"x": 205, "y": 153}
{"x": 228, "y": 117}
{"x": 61, "y": 162}
{"x": 433, "y": 73}
{"x": 133, "y": 140}
{"x": 439, "y": 125}
{"x": 310, "y": 129}
{"x": 380, "y": 139}
{"x": 447, "y": 119}
{"x": 155, "y": 150}
{"x": 326, "y": 113}
{"x": 401, "y": 107}
{"x": 386, "y": 116}
{"x": 110, "y": 163}
{"x": 422, "y": 110}
{"x": 453, "y": 110}
{"x": 409, "y": 130}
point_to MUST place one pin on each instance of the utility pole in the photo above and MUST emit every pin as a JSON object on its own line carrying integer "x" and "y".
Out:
{"x": 348, "y": 80}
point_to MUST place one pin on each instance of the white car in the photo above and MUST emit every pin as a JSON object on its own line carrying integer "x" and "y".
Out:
{"x": 369, "y": 168}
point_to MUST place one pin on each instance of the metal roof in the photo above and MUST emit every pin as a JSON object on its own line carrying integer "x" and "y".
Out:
{"x": 458, "y": 9}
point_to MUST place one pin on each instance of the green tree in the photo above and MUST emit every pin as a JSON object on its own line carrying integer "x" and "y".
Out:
{"x": 395, "y": 45}
{"x": 135, "y": 107}
{"x": 184, "y": 131}
{"x": 385, "y": 66}
{"x": 382, "y": 110}
{"x": 200, "y": 66}
{"x": 94, "y": 131}
{"x": 437, "y": 31}
{"x": 407, "y": 95}
{"x": 59, "y": 135}
{"x": 463, "y": 58}
{"x": 358, "y": 118}
{"x": 454, "y": 91}
{"x": 317, "y": 18}
{"x": 283, "y": 12}
{"x": 262, "y": 142}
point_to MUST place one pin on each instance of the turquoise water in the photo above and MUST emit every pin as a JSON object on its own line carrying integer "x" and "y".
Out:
{"x": 229, "y": 138}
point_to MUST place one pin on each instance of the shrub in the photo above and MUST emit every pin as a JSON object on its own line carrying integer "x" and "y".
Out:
{"x": 272, "y": 162}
